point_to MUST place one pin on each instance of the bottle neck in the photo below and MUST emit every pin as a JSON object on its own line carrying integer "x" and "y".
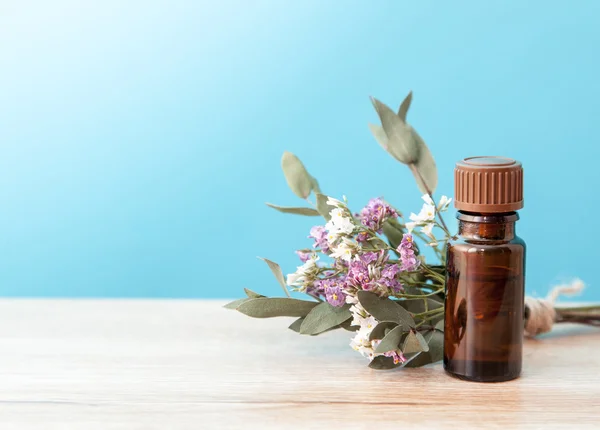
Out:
{"x": 493, "y": 227}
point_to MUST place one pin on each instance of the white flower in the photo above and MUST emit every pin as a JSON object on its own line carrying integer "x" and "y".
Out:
{"x": 444, "y": 203}
{"x": 427, "y": 211}
{"x": 337, "y": 214}
{"x": 345, "y": 250}
{"x": 427, "y": 230}
{"x": 361, "y": 343}
{"x": 368, "y": 323}
{"x": 358, "y": 312}
{"x": 345, "y": 225}
{"x": 338, "y": 225}
{"x": 427, "y": 214}
{"x": 352, "y": 300}
{"x": 427, "y": 199}
{"x": 335, "y": 202}
{"x": 361, "y": 340}
{"x": 304, "y": 274}
{"x": 410, "y": 226}
{"x": 356, "y": 319}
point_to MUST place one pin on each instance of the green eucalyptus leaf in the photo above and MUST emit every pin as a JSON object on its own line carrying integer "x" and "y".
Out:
{"x": 436, "y": 346}
{"x": 376, "y": 243}
{"x": 414, "y": 342}
{"x": 235, "y": 304}
{"x": 294, "y": 210}
{"x": 390, "y": 341}
{"x": 265, "y": 307}
{"x": 252, "y": 294}
{"x": 315, "y": 185}
{"x": 324, "y": 317}
{"x": 404, "y": 107}
{"x": 298, "y": 179}
{"x": 381, "y": 329}
{"x": 380, "y": 136}
{"x": 436, "y": 319}
{"x": 393, "y": 231}
{"x": 347, "y": 325}
{"x": 322, "y": 206}
{"x": 382, "y": 362}
{"x": 440, "y": 325}
{"x": 295, "y": 326}
{"x": 424, "y": 169}
{"x": 278, "y": 274}
{"x": 417, "y": 359}
{"x": 384, "y": 309}
{"x": 400, "y": 143}
{"x": 417, "y": 306}
{"x": 435, "y": 341}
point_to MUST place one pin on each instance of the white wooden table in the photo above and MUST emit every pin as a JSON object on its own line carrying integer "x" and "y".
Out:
{"x": 158, "y": 364}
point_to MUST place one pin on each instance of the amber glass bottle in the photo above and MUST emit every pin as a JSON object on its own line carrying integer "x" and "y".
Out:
{"x": 483, "y": 338}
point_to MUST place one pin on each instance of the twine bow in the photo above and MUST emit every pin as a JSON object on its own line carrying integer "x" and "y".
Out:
{"x": 542, "y": 314}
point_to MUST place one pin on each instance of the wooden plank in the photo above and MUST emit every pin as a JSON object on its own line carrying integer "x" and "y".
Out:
{"x": 159, "y": 364}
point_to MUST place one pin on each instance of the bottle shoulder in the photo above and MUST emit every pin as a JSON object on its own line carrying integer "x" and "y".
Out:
{"x": 462, "y": 243}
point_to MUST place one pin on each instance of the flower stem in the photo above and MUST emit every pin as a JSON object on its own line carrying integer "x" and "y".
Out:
{"x": 416, "y": 296}
{"x": 430, "y": 313}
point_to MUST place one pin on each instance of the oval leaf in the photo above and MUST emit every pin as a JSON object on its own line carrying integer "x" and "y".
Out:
{"x": 322, "y": 206}
{"x": 324, "y": 317}
{"x": 376, "y": 243}
{"x": 235, "y": 304}
{"x": 436, "y": 346}
{"x": 295, "y": 326}
{"x": 424, "y": 170}
{"x": 417, "y": 306}
{"x": 384, "y": 309}
{"x": 393, "y": 231}
{"x": 390, "y": 341}
{"x": 381, "y": 362}
{"x": 298, "y": 179}
{"x": 295, "y": 211}
{"x": 435, "y": 341}
{"x": 414, "y": 342}
{"x": 347, "y": 325}
{"x": 278, "y": 274}
{"x": 265, "y": 307}
{"x": 404, "y": 107}
{"x": 401, "y": 143}
{"x": 382, "y": 329}
{"x": 379, "y": 135}
{"x": 315, "y": 185}
{"x": 252, "y": 294}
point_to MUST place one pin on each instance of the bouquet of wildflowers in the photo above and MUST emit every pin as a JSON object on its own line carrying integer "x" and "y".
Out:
{"x": 365, "y": 273}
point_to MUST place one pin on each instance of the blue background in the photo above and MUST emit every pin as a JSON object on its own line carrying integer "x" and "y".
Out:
{"x": 140, "y": 139}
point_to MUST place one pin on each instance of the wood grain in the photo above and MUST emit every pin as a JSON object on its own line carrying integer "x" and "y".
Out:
{"x": 158, "y": 364}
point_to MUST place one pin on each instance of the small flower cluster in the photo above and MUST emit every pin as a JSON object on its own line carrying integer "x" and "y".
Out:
{"x": 410, "y": 263}
{"x": 370, "y": 271}
{"x": 319, "y": 234}
{"x": 333, "y": 289}
{"x": 358, "y": 265}
{"x": 376, "y": 213}
{"x": 340, "y": 224}
{"x": 305, "y": 275}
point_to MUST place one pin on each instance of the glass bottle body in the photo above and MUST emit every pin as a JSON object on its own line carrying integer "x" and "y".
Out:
{"x": 483, "y": 337}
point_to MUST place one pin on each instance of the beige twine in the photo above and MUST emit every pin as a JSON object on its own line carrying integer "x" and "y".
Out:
{"x": 541, "y": 311}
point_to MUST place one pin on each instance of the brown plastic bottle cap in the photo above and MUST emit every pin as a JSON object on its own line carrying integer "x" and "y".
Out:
{"x": 488, "y": 185}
